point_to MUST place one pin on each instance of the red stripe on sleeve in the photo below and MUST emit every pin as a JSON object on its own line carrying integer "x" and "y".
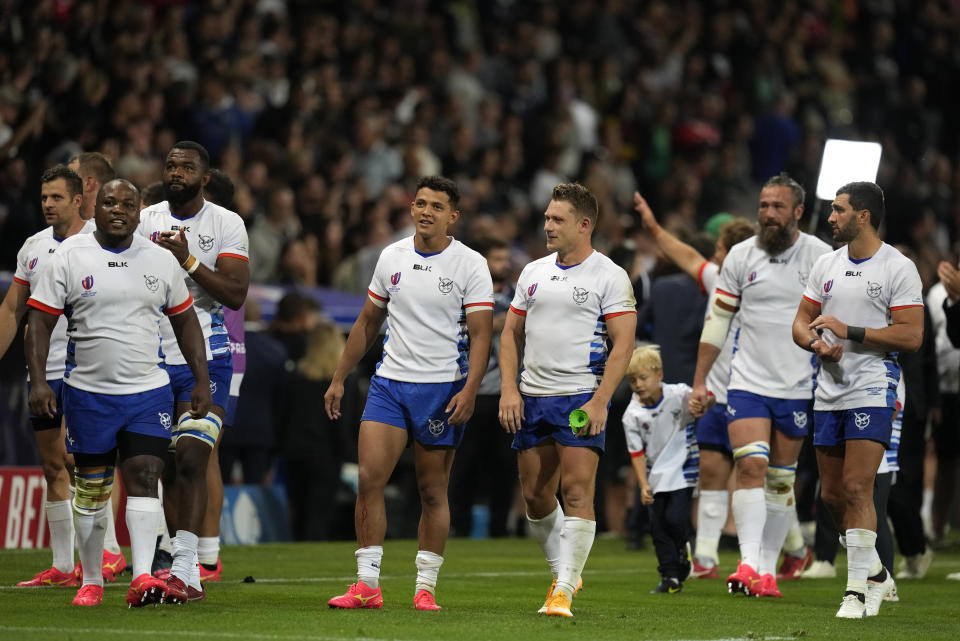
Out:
{"x": 518, "y": 312}
{"x": 811, "y": 301}
{"x": 234, "y": 256}
{"x": 479, "y": 305}
{"x": 20, "y": 281}
{"x": 182, "y": 307}
{"x": 894, "y": 309}
{"x": 703, "y": 290}
{"x": 381, "y": 298}
{"x": 615, "y": 314}
{"x": 637, "y": 454}
{"x": 32, "y": 302}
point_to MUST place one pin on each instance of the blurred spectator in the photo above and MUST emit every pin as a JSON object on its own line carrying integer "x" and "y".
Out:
{"x": 270, "y": 232}
{"x": 297, "y": 315}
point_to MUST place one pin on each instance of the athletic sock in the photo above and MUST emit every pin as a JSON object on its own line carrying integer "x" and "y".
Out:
{"x": 208, "y": 550}
{"x": 90, "y": 529}
{"x": 860, "y": 550}
{"x": 184, "y": 555}
{"x": 750, "y": 515}
{"x": 774, "y": 533}
{"x": 368, "y": 565}
{"x": 793, "y": 544}
{"x": 60, "y": 520}
{"x": 428, "y": 567}
{"x": 547, "y": 531}
{"x": 711, "y": 515}
{"x": 143, "y": 513}
{"x": 575, "y": 543}
{"x": 110, "y": 536}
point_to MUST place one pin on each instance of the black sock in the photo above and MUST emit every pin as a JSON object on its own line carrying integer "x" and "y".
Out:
{"x": 859, "y": 595}
{"x": 213, "y": 566}
{"x": 879, "y": 577}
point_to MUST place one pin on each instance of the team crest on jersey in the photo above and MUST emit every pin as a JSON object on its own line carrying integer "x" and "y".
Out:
{"x": 33, "y": 262}
{"x": 206, "y": 242}
{"x": 446, "y": 285}
{"x": 861, "y": 420}
{"x": 165, "y": 420}
{"x": 152, "y": 282}
{"x": 395, "y": 278}
{"x": 580, "y": 295}
{"x": 752, "y": 277}
{"x": 436, "y": 426}
{"x": 827, "y": 286}
{"x": 531, "y": 289}
{"x": 873, "y": 289}
{"x": 800, "y": 419}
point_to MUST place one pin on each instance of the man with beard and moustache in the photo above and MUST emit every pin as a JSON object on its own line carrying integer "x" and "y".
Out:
{"x": 218, "y": 273}
{"x": 771, "y": 380}
{"x": 871, "y": 284}
{"x": 115, "y": 287}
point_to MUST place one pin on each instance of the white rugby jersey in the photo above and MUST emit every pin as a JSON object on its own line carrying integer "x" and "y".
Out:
{"x": 766, "y": 361}
{"x": 213, "y": 232}
{"x": 566, "y": 308}
{"x": 665, "y": 434}
{"x": 861, "y": 293}
{"x": 948, "y": 356}
{"x": 719, "y": 375}
{"x": 32, "y": 256}
{"x": 428, "y": 297}
{"x": 113, "y": 301}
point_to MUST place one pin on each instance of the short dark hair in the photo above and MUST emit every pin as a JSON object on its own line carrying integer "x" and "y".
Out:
{"x": 93, "y": 163}
{"x": 583, "y": 202}
{"x": 197, "y": 147}
{"x": 866, "y": 195}
{"x": 487, "y": 244}
{"x": 70, "y": 177}
{"x": 122, "y": 181}
{"x": 784, "y": 180}
{"x": 219, "y": 189}
{"x": 152, "y": 194}
{"x": 441, "y": 183}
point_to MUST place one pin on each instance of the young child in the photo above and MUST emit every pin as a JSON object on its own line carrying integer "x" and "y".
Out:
{"x": 663, "y": 450}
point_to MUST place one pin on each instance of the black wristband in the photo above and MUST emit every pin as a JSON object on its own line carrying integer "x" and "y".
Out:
{"x": 856, "y": 334}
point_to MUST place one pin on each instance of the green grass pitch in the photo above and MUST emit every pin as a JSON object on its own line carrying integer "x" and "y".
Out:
{"x": 489, "y": 589}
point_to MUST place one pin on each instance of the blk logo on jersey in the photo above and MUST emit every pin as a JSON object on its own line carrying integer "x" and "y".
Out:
{"x": 112, "y": 263}
{"x": 33, "y": 263}
{"x": 206, "y": 242}
{"x": 874, "y": 289}
{"x": 445, "y": 285}
{"x": 395, "y": 278}
{"x": 580, "y": 295}
{"x": 152, "y": 282}
{"x": 827, "y": 286}
{"x": 531, "y": 289}
{"x": 422, "y": 268}
{"x": 851, "y": 273}
{"x": 179, "y": 228}
{"x": 752, "y": 277}
{"x": 861, "y": 420}
{"x": 87, "y": 282}
{"x": 436, "y": 426}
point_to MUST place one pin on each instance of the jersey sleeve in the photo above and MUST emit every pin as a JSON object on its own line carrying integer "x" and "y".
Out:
{"x": 731, "y": 274}
{"x": 49, "y": 290}
{"x": 707, "y": 277}
{"x": 235, "y": 243}
{"x": 617, "y": 296}
{"x": 906, "y": 288}
{"x": 377, "y": 291}
{"x": 478, "y": 291}
{"x": 22, "y": 274}
{"x": 813, "y": 292}
{"x": 178, "y": 298}
{"x": 633, "y": 433}
{"x": 520, "y": 297}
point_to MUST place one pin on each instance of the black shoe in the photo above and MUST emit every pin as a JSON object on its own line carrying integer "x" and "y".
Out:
{"x": 667, "y": 585}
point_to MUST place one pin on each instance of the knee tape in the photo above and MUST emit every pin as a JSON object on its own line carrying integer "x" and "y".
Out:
{"x": 205, "y": 428}
{"x": 779, "y": 484}
{"x": 93, "y": 490}
{"x": 757, "y": 448}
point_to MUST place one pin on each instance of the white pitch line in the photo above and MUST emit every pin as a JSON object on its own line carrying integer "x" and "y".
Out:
{"x": 190, "y": 634}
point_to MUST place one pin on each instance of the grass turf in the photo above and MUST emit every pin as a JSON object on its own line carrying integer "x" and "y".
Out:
{"x": 490, "y": 589}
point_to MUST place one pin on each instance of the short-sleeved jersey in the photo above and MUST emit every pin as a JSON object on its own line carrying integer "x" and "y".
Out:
{"x": 665, "y": 434}
{"x": 948, "y": 356}
{"x": 211, "y": 233}
{"x": 113, "y": 301}
{"x": 34, "y": 255}
{"x": 566, "y": 308}
{"x": 862, "y": 293}
{"x": 428, "y": 297}
{"x": 719, "y": 375}
{"x": 766, "y": 361}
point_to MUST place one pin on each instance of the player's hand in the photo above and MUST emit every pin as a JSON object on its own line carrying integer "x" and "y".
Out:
{"x": 822, "y": 322}
{"x": 331, "y": 400}
{"x": 511, "y": 411}
{"x": 43, "y": 402}
{"x": 950, "y": 277}
{"x": 597, "y": 416}
{"x": 460, "y": 408}
{"x": 646, "y": 495}
{"x": 827, "y": 353}
{"x": 200, "y": 400}
{"x": 646, "y": 214}
{"x": 699, "y": 403}
{"x": 176, "y": 243}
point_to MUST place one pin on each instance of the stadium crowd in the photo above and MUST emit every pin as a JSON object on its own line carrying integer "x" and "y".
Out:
{"x": 325, "y": 115}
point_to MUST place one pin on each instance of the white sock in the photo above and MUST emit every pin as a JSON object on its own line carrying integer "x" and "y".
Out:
{"x": 793, "y": 544}
{"x": 711, "y": 515}
{"x": 368, "y": 565}
{"x": 875, "y": 563}
{"x": 208, "y": 549}
{"x": 428, "y": 566}
{"x": 195, "y": 572}
{"x": 110, "y": 536}
{"x": 750, "y": 515}
{"x": 774, "y": 533}
{"x": 575, "y": 543}
{"x": 142, "y": 515}
{"x": 90, "y": 529}
{"x": 861, "y": 546}
{"x": 60, "y": 520}
{"x": 547, "y": 531}
{"x": 184, "y": 555}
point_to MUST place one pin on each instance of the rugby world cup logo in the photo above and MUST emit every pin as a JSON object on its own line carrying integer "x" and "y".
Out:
{"x": 155, "y": 236}
{"x": 531, "y": 289}
{"x": 861, "y": 420}
{"x": 395, "y": 278}
{"x": 33, "y": 263}
{"x": 752, "y": 277}
{"x": 87, "y": 282}
{"x": 827, "y": 286}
